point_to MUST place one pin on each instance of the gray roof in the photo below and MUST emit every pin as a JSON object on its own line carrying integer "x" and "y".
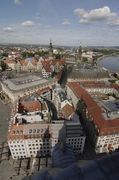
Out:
{"x": 88, "y": 73}
{"x": 62, "y": 96}
{"x": 24, "y": 82}
{"x": 73, "y": 130}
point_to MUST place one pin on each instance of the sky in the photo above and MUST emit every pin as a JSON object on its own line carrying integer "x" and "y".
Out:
{"x": 66, "y": 22}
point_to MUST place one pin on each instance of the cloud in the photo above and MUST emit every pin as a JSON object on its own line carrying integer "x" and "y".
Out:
{"x": 114, "y": 21}
{"x": 17, "y": 2}
{"x": 66, "y": 22}
{"x": 100, "y": 14}
{"x": 8, "y": 29}
{"x": 27, "y": 23}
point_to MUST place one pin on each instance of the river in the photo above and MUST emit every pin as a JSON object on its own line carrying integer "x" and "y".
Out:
{"x": 111, "y": 63}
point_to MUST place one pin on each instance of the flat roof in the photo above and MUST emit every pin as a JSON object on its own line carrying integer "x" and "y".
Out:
{"x": 24, "y": 82}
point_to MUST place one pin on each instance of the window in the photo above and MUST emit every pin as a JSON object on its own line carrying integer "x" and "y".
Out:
{"x": 34, "y": 130}
{"x": 30, "y": 131}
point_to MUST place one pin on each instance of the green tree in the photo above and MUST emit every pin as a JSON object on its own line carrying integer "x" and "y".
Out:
{"x": 85, "y": 59}
{"x": 58, "y": 56}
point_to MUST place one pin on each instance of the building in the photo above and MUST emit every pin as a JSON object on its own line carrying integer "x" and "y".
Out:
{"x": 87, "y": 55}
{"x": 45, "y": 93}
{"x": 46, "y": 68}
{"x": 25, "y": 85}
{"x": 32, "y": 133}
{"x": 24, "y": 65}
{"x": 79, "y": 55}
{"x": 51, "y": 50}
{"x": 101, "y": 87}
{"x": 100, "y": 118}
{"x": 64, "y": 108}
{"x": 67, "y": 111}
{"x": 75, "y": 136}
{"x": 84, "y": 74}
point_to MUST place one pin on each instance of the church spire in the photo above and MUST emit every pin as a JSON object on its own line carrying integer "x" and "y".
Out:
{"x": 79, "y": 58}
{"x": 51, "y": 49}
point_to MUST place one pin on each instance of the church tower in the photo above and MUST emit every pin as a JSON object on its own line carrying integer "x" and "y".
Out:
{"x": 79, "y": 56}
{"x": 50, "y": 49}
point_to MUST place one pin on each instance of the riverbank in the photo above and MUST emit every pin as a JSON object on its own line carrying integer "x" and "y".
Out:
{"x": 109, "y": 63}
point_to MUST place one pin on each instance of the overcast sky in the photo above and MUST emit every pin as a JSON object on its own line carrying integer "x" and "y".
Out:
{"x": 66, "y": 22}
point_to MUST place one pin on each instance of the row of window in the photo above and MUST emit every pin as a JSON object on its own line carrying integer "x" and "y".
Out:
{"x": 21, "y": 145}
{"x": 39, "y": 148}
{"x": 17, "y": 150}
{"x": 18, "y": 157}
{"x": 15, "y": 153}
{"x": 43, "y": 144}
{"x": 40, "y": 152}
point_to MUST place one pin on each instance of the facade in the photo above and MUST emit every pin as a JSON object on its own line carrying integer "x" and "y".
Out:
{"x": 24, "y": 85}
{"x": 75, "y": 136}
{"x": 46, "y": 68}
{"x": 100, "y": 118}
{"x": 82, "y": 74}
{"x": 24, "y": 65}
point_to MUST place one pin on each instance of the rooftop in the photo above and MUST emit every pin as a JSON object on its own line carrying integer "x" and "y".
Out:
{"x": 67, "y": 110}
{"x": 112, "y": 106}
{"x": 24, "y": 82}
{"x": 62, "y": 96}
{"x": 29, "y": 106}
{"x": 83, "y": 73}
{"x": 95, "y": 111}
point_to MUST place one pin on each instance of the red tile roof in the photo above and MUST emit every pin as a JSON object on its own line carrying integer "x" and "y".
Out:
{"x": 67, "y": 110}
{"x": 59, "y": 61}
{"x": 29, "y": 106}
{"x": 25, "y": 62}
{"x": 46, "y": 65}
{"x": 105, "y": 126}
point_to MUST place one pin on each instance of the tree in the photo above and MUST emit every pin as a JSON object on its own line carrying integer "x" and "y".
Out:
{"x": 85, "y": 59}
{"x": 58, "y": 56}
{"x": 4, "y": 66}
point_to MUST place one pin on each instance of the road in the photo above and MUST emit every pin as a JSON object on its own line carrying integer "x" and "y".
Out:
{"x": 4, "y": 116}
{"x": 52, "y": 108}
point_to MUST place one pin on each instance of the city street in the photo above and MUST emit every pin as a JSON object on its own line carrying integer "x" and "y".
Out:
{"x": 52, "y": 108}
{"x": 4, "y": 119}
